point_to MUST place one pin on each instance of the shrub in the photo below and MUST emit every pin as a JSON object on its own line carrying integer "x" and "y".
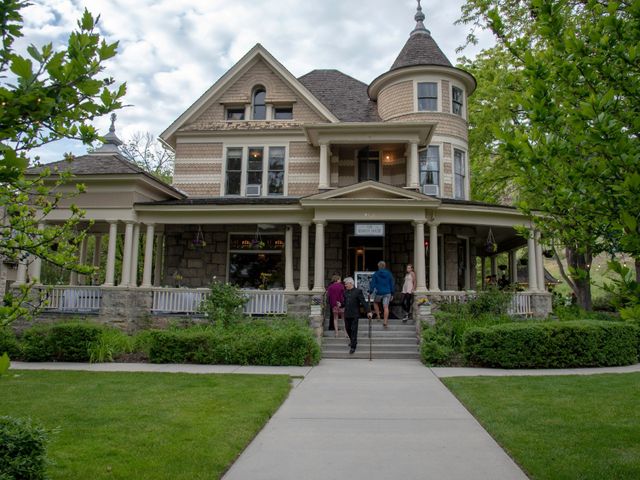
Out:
{"x": 8, "y": 342}
{"x": 435, "y": 348}
{"x": 223, "y": 306}
{"x": 587, "y": 343}
{"x": 22, "y": 450}
{"x": 254, "y": 343}
{"x": 60, "y": 342}
{"x": 110, "y": 343}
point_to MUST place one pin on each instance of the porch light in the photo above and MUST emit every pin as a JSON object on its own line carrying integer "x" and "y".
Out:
{"x": 387, "y": 158}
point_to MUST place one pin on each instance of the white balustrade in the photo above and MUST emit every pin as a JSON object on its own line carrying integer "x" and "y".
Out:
{"x": 188, "y": 301}
{"x": 73, "y": 299}
{"x": 520, "y": 304}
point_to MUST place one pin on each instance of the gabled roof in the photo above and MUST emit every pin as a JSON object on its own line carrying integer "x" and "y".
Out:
{"x": 257, "y": 52}
{"x": 345, "y": 96}
{"x": 370, "y": 190}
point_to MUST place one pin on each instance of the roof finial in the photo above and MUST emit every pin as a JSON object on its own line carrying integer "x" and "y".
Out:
{"x": 111, "y": 140}
{"x": 419, "y": 17}
{"x": 112, "y": 128}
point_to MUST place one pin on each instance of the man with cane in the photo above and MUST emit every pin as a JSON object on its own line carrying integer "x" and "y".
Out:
{"x": 353, "y": 300}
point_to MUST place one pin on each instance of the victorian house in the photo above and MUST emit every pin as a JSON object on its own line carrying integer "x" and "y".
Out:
{"x": 280, "y": 182}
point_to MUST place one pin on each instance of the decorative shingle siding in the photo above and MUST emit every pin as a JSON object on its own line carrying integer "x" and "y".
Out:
{"x": 198, "y": 168}
{"x": 447, "y": 124}
{"x": 396, "y": 100}
{"x": 346, "y": 172}
{"x": 446, "y": 97}
{"x": 240, "y": 93}
{"x": 447, "y": 170}
{"x": 303, "y": 169}
{"x": 395, "y": 173}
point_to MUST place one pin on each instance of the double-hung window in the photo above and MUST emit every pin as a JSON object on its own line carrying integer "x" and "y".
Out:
{"x": 234, "y": 171}
{"x": 427, "y": 96}
{"x": 259, "y": 106}
{"x": 255, "y": 171}
{"x": 235, "y": 113}
{"x": 459, "y": 169}
{"x": 457, "y": 100}
{"x": 276, "y": 171}
{"x": 429, "y": 163}
{"x": 282, "y": 113}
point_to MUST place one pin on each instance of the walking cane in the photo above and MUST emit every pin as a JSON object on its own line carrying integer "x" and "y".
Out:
{"x": 369, "y": 317}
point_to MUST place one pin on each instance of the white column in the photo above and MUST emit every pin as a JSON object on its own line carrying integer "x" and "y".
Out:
{"x": 467, "y": 261}
{"x": 21, "y": 275}
{"x": 135, "y": 247}
{"x": 126, "y": 254}
{"x": 324, "y": 167}
{"x": 148, "y": 255}
{"x": 414, "y": 175}
{"x": 36, "y": 264}
{"x": 531, "y": 247}
{"x": 157, "y": 274}
{"x": 433, "y": 258}
{"x": 420, "y": 260}
{"x": 483, "y": 267}
{"x": 288, "y": 259}
{"x": 304, "y": 257}
{"x": 318, "y": 265}
{"x": 539, "y": 263}
{"x": 109, "y": 277}
{"x": 97, "y": 250}
{"x": 513, "y": 266}
{"x": 82, "y": 259}
{"x": 74, "y": 277}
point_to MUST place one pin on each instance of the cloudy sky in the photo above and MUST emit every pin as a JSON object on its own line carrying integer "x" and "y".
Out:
{"x": 171, "y": 51}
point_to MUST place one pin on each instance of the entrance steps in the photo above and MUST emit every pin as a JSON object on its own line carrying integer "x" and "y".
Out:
{"x": 399, "y": 341}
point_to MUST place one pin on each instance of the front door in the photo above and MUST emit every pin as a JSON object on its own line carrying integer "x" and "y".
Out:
{"x": 364, "y": 253}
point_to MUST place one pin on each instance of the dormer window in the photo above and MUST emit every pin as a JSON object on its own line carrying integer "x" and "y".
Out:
{"x": 427, "y": 97}
{"x": 235, "y": 113}
{"x": 259, "y": 105}
{"x": 457, "y": 100}
{"x": 283, "y": 113}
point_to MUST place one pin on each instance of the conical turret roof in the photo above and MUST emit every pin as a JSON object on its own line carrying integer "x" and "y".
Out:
{"x": 421, "y": 48}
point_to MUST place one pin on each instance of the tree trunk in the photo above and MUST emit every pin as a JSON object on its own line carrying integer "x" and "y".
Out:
{"x": 579, "y": 267}
{"x": 637, "y": 270}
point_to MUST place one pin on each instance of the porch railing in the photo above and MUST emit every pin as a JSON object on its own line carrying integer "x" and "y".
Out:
{"x": 261, "y": 302}
{"x": 520, "y": 304}
{"x": 178, "y": 300}
{"x": 188, "y": 301}
{"x": 73, "y": 299}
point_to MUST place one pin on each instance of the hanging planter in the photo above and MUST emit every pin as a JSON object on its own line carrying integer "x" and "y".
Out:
{"x": 490, "y": 245}
{"x": 502, "y": 268}
{"x": 257, "y": 243}
{"x": 547, "y": 253}
{"x": 524, "y": 261}
{"x": 198, "y": 241}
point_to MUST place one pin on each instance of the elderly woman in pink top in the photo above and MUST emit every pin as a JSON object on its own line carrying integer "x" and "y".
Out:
{"x": 335, "y": 296}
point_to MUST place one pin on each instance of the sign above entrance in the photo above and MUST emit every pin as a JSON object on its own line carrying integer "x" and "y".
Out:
{"x": 368, "y": 229}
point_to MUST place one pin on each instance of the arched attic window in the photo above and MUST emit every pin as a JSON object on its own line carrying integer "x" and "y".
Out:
{"x": 259, "y": 107}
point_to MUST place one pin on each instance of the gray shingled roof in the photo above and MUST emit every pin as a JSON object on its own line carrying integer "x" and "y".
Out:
{"x": 345, "y": 96}
{"x": 93, "y": 165}
{"x": 420, "y": 49}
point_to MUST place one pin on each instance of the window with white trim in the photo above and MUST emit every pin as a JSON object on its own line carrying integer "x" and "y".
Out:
{"x": 457, "y": 101}
{"x": 259, "y": 107}
{"x": 429, "y": 161}
{"x": 234, "y": 171}
{"x": 235, "y": 113}
{"x": 427, "y": 96}
{"x": 282, "y": 113}
{"x": 459, "y": 169}
{"x": 255, "y": 171}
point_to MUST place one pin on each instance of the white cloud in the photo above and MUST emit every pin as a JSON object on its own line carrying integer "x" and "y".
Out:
{"x": 171, "y": 52}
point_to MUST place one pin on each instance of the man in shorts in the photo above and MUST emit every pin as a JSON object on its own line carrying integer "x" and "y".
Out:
{"x": 382, "y": 286}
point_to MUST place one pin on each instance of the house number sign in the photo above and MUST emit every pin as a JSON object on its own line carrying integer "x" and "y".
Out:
{"x": 369, "y": 229}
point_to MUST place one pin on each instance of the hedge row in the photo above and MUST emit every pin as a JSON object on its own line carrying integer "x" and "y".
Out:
{"x": 587, "y": 343}
{"x": 243, "y": 344}
{"x": 60, "y": 342}
{"x": 22, "y": 450}
{"x": 8, "y": 343}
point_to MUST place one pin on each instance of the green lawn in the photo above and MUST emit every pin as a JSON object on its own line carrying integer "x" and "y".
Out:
{"x": 565, "y": 427}
{"x": 143, "y": 425}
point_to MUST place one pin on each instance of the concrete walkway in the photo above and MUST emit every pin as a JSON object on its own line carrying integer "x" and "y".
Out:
{"x": 386, "y": 419}
{"x": 355, "y": 419}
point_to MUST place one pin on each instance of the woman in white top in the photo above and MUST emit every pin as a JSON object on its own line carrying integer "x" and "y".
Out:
{"x": 408, "y": 287}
